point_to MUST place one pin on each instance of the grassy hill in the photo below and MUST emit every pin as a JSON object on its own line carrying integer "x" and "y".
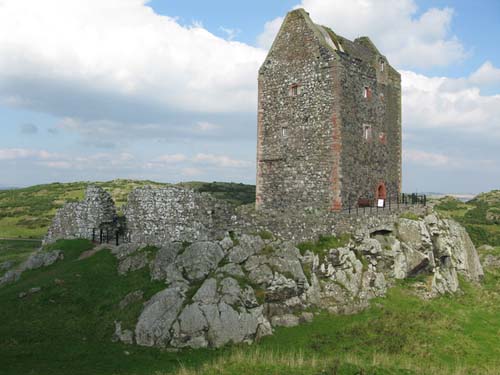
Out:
{"x": 66, "y": 328}
{"x": 28, "y": 212}
{"x": 480, "y": 216}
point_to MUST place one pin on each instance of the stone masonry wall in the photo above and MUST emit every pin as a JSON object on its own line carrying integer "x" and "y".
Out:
{"x": 368, "y": 162}
{"x": 79, "y": 219}
{"x": 158, "y": 216}
{"x": 295, "y": 158}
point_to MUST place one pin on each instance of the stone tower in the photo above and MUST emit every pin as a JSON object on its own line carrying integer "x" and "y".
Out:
{"x": 329, "y": 121}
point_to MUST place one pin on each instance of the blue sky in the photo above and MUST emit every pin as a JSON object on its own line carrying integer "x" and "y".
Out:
{"x": 166, "y": 90}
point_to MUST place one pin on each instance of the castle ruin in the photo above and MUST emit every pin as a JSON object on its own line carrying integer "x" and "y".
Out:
{"x": 329, "y": 121}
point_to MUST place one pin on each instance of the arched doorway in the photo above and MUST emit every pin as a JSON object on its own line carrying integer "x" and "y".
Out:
{"x": 381, "y": 191}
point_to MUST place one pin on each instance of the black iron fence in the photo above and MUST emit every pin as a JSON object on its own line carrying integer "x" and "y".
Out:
{"x": 371, "y": 205}
{"x": 108, "y": 236}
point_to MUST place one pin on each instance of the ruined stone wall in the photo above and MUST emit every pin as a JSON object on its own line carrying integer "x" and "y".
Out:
{"x": 295, "y": 158}
{"x": 158, "y": 216}
{"x": 79, "y": 219}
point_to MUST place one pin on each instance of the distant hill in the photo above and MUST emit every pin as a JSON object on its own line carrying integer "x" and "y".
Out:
{"x": 480, "y": 216}
{"x": 28, "y": 212}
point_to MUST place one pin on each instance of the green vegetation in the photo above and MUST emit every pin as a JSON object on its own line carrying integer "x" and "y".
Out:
{"x": 410, "y": 216}
{"x": 324, "y": 244}
{"x": 28, "y": 212}
{"x": 480, "y": 216}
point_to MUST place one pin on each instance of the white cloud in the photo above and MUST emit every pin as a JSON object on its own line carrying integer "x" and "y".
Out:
{"x": 407, "y": 39}
{"x": 426, "y": 158}
{"x": 220, "y": 161}
{"x": 486, "y": 75}
{"x": 119, "y": 49}
{"x": 22, "y": 153}
{"x": 453, "y": 104}
{"x": 271, "y": 28}
{"x": 174, "y": 158}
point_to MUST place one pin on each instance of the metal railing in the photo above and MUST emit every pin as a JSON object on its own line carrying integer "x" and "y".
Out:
{"x": 370, "y": 205}
{"x": 108, "y": 236}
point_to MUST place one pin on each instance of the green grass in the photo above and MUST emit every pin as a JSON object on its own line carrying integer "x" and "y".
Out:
{"x": 28, "y": 212}
{"x": 410, "y": 216}
{"x": 324, "y": 244}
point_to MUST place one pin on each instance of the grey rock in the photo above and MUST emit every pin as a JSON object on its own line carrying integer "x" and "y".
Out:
{"x": 6, "y": 265}
{"x": 126, "y": 336}
{"x": 42, "y": 259}
{"x": 491, "y": 261}
{"x": 306, "y": 317}
{"x": 231, "y": 269}
{"x": 10, "y": 276}
{"x": 199, "y": 259}
{"x": 34, "y": 290}
{"x": 226, "y": 243}
{"x": 207, "y": 294}
{"x": 414, "y": 234}
{"x": 463, "y": 252}
{"x": 408, "y": 262}
{"x": 124, "y": 250}
{"x": 288, "y": 320}
{"x": 230, "y": 291}
{"x": 155, "y": 321}
{"x": 161, "y": 267}
{"x": 248, "y": 246}
{"x": 485, "y": 248}
{"x": 133, "y": 262}
{"x": 190, "y": 330}
{"x": 281, "y": 289}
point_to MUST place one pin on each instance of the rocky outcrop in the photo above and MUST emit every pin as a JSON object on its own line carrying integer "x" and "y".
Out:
{"x": 236, "y": 289}
{"x": 37, "y": 260}
{"x": 84, "y": 219}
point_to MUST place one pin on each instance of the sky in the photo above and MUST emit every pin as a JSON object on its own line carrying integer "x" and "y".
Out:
{"x": 167, "y": 90}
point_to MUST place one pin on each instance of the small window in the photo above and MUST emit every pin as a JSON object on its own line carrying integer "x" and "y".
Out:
{"x": 367, "y": 132}
{"x": 382, "y": 66}
{"x": 284, "y": 132}
{"x": 382, "y": 137}
{"x": 294, "y": 90}
{"x": 367, "y": 93}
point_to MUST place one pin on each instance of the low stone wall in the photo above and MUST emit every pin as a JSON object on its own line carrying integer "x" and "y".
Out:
{"x": 79, "y": 219}
{"x": 305, "y": 226}
{"x": 158, "y": 216}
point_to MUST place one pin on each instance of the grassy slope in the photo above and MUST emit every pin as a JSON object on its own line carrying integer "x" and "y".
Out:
{"x": 66, "y": 328}
{"x": 480, "y": 216}
{"x": 27, "y": 213}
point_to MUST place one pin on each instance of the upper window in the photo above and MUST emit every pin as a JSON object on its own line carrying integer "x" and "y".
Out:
{"x": 382, "y": 138}
{"x": 294, "y": 90}
{"x": 367, "y": 132}
{"x": 382, "y": 66}
{"x": 284, "y": 132}
{"x": 367, "y": 93}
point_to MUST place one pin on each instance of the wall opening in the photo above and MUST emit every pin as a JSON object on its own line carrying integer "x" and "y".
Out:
{"x": 381, "y": 191}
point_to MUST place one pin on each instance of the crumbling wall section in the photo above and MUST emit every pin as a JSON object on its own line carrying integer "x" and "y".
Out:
{"x": 158, "y": 216}
{"x": 84, "y": 219}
